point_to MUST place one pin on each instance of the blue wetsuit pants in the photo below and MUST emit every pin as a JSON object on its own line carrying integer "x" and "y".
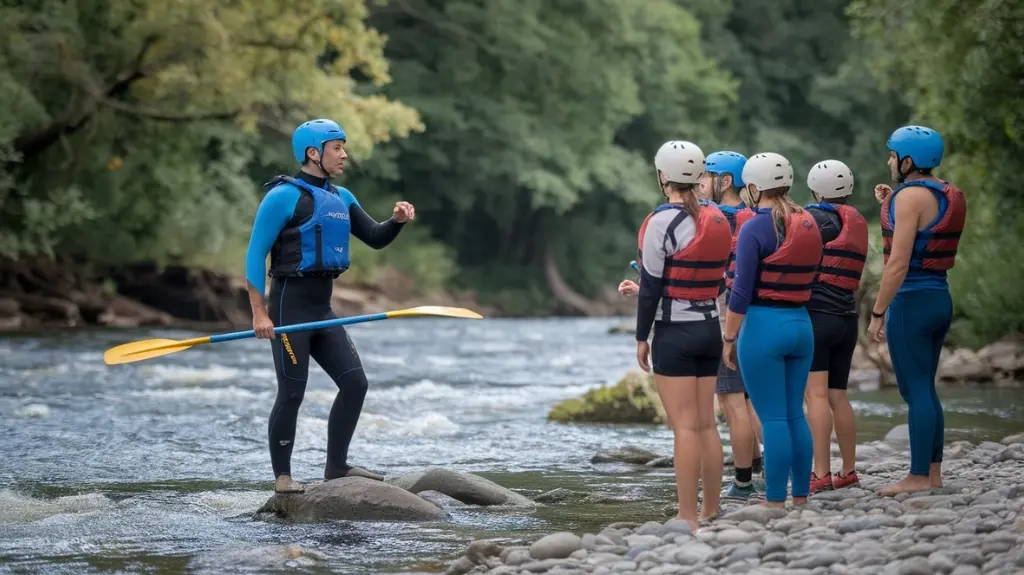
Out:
{"x": 915, "y": 328}
{"x": 775, "y": 349}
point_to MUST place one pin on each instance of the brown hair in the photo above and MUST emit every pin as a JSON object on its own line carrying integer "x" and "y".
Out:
{"x": 782, "y": 209}
{"x": 689, "y": 196}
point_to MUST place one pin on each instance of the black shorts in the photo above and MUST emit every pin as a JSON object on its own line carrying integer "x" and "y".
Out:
{"x": 687, "y": 348}
{"x": 835, "y": 338}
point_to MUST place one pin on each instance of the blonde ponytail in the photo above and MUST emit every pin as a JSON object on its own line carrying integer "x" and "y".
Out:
{"x": 783, "y": 208}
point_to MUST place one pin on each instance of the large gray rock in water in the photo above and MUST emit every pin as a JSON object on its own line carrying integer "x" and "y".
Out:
{"x": 465, "y": 487}
{"x": 354, "y": 498}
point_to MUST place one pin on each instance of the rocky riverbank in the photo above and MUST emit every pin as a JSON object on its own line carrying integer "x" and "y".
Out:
{"x": 973, "y": 524}
{"x": 1000, "y": 362}
{"x": 66, "y": 294}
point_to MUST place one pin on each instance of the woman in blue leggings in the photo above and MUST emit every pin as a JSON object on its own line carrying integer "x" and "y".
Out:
{"x": 922, "y": 220}
{"x": 777, "y": 256}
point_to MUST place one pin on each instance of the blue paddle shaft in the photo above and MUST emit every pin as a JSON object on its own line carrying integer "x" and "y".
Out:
{"x": 301, "y": 326}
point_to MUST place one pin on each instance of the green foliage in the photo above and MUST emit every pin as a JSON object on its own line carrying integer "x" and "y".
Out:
{"x": 522, "y": 130}
{"x": 128, "y": 126}
{"x": 805, "y": 91}
{"x": 540, "y": 115}
{"x": 959, "y": 64}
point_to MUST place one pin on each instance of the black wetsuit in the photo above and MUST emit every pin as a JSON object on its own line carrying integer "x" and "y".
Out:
{"x": 298, "y": 299}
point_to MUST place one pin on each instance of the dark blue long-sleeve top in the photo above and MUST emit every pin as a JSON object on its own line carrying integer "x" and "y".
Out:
{"x": 284, "y": 204}
{"x": 757, "y": 240}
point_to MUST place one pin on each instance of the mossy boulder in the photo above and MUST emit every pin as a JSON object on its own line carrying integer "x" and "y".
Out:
{"x": 634, "y": 399}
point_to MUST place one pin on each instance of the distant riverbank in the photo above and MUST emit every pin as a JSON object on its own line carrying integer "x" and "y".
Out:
{"x": 40, "y": 296}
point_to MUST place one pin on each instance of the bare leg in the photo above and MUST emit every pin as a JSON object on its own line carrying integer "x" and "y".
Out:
{"x": 679, "y": 396}
{"x": 710, "y": 447}
{"x": 846, "y": 428}
{"x": 741, "y": 433}
{"x": 819, "y": 418}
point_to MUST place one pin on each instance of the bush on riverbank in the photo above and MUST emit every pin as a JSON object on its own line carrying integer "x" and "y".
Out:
{"x": 634, "y": 399}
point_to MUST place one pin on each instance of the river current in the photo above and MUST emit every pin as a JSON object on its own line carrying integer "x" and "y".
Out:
{"x": 158, "y": 466}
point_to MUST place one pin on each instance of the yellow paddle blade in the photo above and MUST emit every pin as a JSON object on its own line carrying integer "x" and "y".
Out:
{"x": 435, "y": 310}
{"x": 148, "y": 349}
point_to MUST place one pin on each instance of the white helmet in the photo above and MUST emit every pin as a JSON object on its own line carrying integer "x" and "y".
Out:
{"x": 830, "y": 179}
{"x": 768, "y": 171}
{"x": 682, "y": 162}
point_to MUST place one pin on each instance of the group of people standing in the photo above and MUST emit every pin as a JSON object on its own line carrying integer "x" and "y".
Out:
{"x": 753, "y": 299}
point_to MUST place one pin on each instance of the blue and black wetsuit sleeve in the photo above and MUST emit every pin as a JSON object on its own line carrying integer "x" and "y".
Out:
{"x": 276, "y": 209}
{"x": 374, "y": 234}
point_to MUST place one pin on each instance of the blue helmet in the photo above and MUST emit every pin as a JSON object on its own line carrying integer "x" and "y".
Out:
{"x": 924, "y": 146}
{"x": 727, "y": 163}
{"x": 313, "y": 134}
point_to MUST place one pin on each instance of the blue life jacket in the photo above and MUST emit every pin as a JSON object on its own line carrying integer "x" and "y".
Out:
{"x": 730, "y": 213}
{"x": 319, "y": 245}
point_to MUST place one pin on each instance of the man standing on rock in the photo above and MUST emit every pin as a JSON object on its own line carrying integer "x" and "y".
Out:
{"x": 304, "y": 223}
{"x": 922, "y": 220}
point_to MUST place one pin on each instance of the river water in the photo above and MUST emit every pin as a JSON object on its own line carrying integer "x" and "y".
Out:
{"x": 159, "y": 465}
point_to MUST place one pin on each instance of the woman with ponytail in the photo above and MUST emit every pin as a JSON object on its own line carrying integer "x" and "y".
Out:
{"x": 768, "y": 332}
{"x": 684, "y": 248}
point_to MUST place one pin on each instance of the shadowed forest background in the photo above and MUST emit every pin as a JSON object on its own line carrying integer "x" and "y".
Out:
{"x": 522, "y": 130}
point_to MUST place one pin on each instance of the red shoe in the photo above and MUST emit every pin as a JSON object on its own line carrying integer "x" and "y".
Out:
{"x": 820, "y": 484}
{"x": 847, "y": 480}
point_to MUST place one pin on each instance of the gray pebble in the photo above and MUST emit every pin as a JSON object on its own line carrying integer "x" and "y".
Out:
{"x": 941, "y": 562}
{"x": 556, "y": 546}
{"x": 693, "y": 552}
{"x": 745, "y": 552}
{"x": 915, "y": 566}
{"x": 816, "y": 559}
{"x": 933, "y": 531}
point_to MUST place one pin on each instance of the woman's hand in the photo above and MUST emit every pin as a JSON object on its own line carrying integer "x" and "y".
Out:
{"x": 629, "y": 288}
{"x": 643, "y": 354}
{"x": 729, "y": 355}
{"x": 876, "y": 329}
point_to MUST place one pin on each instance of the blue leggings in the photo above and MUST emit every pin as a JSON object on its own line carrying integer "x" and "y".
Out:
{"x": 775, "y": 349}
{"x": 915, "y": 328}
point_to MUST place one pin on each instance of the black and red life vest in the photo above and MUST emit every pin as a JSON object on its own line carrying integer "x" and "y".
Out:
{"x": 842, "y": 259}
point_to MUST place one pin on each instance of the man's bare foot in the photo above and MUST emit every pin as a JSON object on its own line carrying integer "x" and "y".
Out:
{"x": 285, "y": 484}
{"x": 935, "y": 475}
{"x": 911, "y": 484}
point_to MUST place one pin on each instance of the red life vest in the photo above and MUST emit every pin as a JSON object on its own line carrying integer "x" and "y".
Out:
{"x": 742, "y": 216}
{"x": 843, "y": 258}
{"x": 695, "y": 272}
{"x": 942, "y": 240}
{"x": 788, "y": 274}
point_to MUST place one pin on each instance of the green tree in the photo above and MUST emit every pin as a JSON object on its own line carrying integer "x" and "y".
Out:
{"x": 128, "y": 126}
{"x": 541, "y": 123}
{"x": 958, "y": 64}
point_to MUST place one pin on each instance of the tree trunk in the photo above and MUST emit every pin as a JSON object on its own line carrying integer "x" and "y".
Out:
{"x": 565, "y": 294}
